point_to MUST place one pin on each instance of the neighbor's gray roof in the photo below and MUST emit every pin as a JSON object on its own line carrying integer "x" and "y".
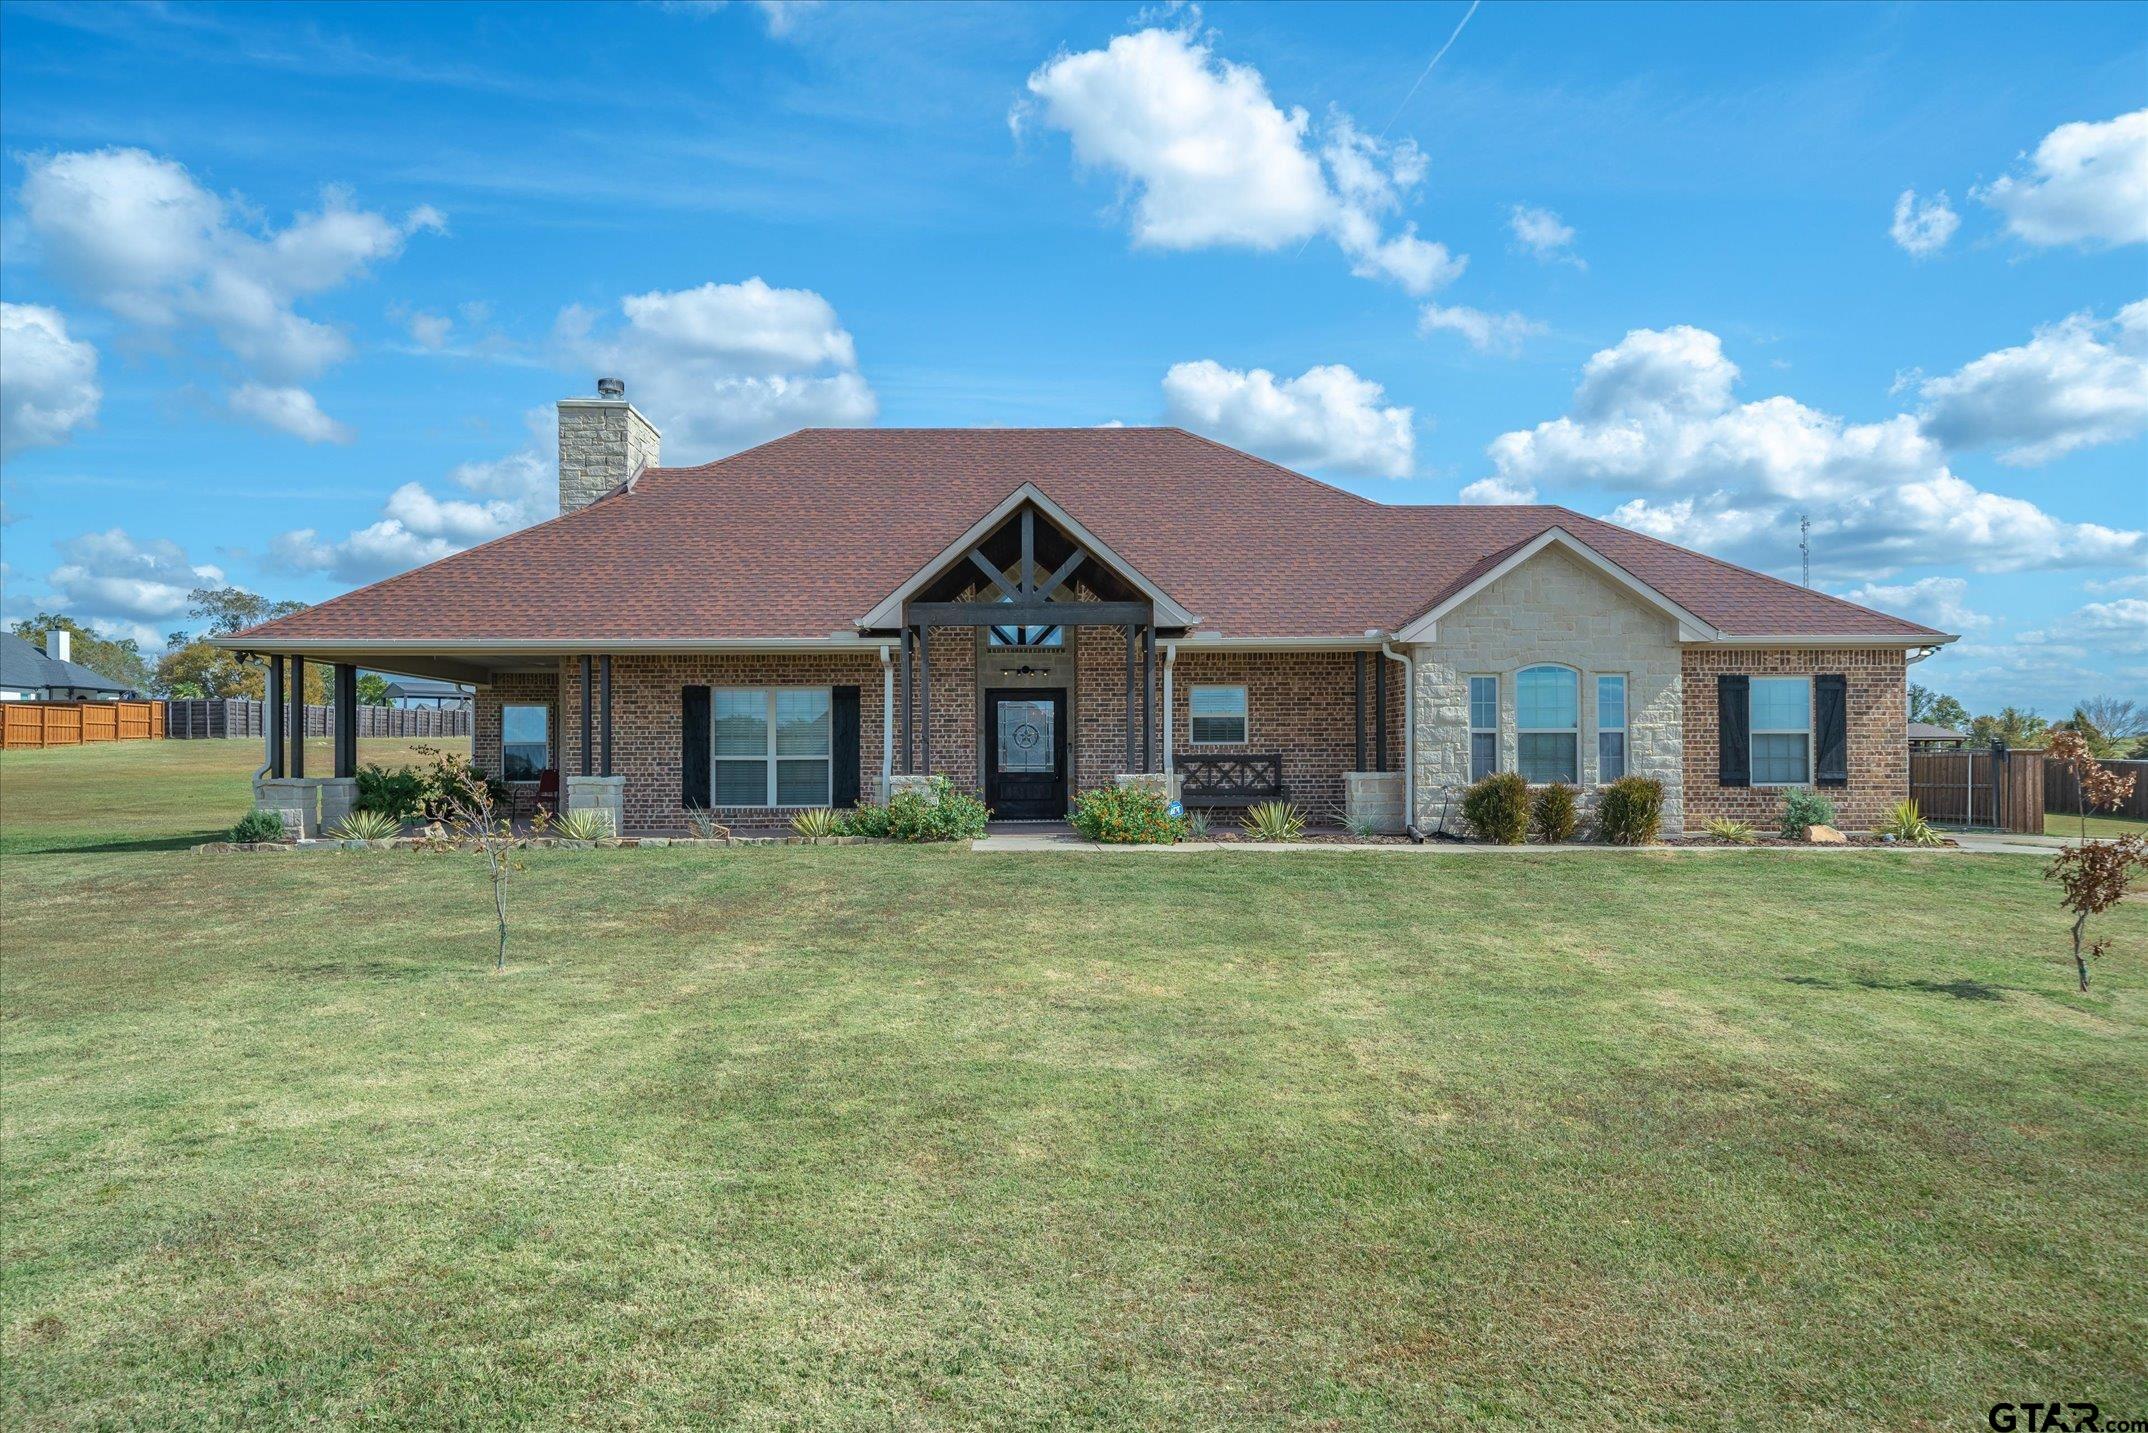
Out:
{"x": 1926, "y": 731}
{"x": 24, "y": 668}
{"x": 426, "y": 687}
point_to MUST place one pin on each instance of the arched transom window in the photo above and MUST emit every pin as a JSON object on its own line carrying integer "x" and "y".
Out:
{"x": 1547, "y": 724}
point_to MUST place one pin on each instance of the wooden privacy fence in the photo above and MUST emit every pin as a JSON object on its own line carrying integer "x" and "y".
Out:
{"x": 37, "y": 724}
{"x": 196, "y": 717}
{"x": 1980, "y": 786}
{"x": 2062, "y": 790}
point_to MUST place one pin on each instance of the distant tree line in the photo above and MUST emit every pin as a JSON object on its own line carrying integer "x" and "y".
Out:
{"x": 2112, "y": 727}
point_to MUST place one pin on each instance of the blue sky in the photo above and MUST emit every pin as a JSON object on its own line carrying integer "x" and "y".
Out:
{"x": 291, "y": 289}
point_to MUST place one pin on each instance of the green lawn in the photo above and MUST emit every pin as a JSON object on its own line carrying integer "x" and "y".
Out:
{"x": 860, "y": 1136}
{"x": 2069, "y": 825}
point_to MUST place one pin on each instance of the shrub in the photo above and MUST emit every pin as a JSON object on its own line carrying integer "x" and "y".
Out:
{"x": 363, "y": 825}
{"x": 1630, "y": 811}
{"x": 1803, "y": 810}
{"x": 1738, "y": 833}
{"x": 1127, "y": 816}
{"x": 817, "y": 824}
{"x": 945, "y": 815}
{"x": 1497, "y": 808}
{"x": 1552, "y": 817}
{"x": 1274, "y": 821}
{"x": 256, "y": 826}
{"x": 398, "y": 793}
{"x": 1907, "y": 824}
{"x": 447, "y": 778}
{"x": 587, "y": 824}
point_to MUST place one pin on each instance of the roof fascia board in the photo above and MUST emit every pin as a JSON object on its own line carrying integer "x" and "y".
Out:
{"x": 537, "y": 646}
{"x": 888, "y": 613}
{"x": 1424, "y": 627}
{"x": 1824, "y": 639}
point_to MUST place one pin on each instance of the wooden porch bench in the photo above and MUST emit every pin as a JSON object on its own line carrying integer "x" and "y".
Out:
{"x": 1231, "y": 780}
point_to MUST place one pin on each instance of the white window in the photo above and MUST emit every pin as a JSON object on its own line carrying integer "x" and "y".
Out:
{"x": 1483, "y": 727}
{"x": 1781, "y": 731}
{"x": 1610, "y": 729}
{"x": 1219, "y": 715}
{"x": 525, "y": 741}
{"x": 772, "y": 746}
{"x": 1547, "y": 724}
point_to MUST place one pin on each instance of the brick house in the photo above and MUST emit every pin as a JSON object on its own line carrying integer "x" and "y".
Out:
{"x": 1035, "y": 612}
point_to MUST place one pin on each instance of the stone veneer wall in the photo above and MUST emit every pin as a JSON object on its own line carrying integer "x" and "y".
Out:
{"x": 1300, "y": 704}
{"x": 1878, "y": 735}
{"x": 601, "y": 441}
{"x": 516, "y": 689}
{"x": 1555, "y": 609}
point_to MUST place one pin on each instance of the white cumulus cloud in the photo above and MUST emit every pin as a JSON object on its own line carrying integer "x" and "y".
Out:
{"x": 724, "y": 366}
{"x": 48, "y": 381}
{"x": 1326, "y": 418}
{"x": 1543, "y": 235}
{"x": 137, "y": 234}
{"x": 416, "y": 525}
{"x": 1941, "y": 602}
{"x": 1209, "y": 159}
{"x": 1922, "y": 227}
{"x": 1486, "y": 332}
{"x": 1654, "y": 414}
{"x": 2077, "y": 383}
{"x": 287, "y": 410}
{"x": 1487, "y": 492}
{"x": 123, "y": 587}
{"x": 2086, "y": 184}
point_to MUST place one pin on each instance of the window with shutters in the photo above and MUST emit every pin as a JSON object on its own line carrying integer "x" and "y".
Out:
{"x": 1483, "y": 727}
{"x": 771, "y": 746}
{"x": 1610, "y": 728}
{"x": 1781, "y": 731}
{"x": 1547, "y": 724}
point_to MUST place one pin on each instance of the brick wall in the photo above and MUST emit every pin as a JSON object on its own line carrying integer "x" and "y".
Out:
{"x": 1878, "y": 741}
{"x": 1301, "y": 704}
{"x": 645, "y": 720}
{"x": 510, "y": 689}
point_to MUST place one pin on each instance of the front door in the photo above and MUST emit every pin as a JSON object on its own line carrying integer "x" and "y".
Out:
{"x": 1026, "y": 753}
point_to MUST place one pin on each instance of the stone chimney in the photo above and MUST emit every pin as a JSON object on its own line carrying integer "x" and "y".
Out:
{"x": 603, "y": 442}
{"x": 60, "y": 644}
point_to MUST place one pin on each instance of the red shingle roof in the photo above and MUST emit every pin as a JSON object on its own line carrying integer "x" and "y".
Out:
{"x": 802, "y": 536}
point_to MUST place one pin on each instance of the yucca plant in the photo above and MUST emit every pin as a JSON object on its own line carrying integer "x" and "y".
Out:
{"x": 1905, "y": 823}
{"x": 1738, "y": 833}
{"x": 703, "y": 823}
{"x": 1196, "y": 825}
{"x": 367, "y": 826}
{"x": 818, "y": 824}
{"x": 1274, "y": 821}
{"x": 588, "y": 824}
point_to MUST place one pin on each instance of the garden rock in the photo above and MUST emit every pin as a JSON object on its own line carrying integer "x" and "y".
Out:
{"x": 1819, "y": 835}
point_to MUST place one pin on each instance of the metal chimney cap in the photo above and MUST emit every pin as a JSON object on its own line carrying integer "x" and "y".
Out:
{"x": 611, "y": 388}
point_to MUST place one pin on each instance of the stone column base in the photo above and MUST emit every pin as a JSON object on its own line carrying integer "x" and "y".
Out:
{"x": 901, "y": 782}
{"x": 296, "y": 799}
{"x": 1374, "y": 798}
{"x": 339, "y": 798}
{"x": 596, "y": 793}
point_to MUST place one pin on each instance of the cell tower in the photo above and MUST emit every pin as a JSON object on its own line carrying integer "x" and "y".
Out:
{"x": 1804, "y": 548}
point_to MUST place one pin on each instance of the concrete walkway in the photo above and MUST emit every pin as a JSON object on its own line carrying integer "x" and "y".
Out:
{"x": 1059, "y": 839}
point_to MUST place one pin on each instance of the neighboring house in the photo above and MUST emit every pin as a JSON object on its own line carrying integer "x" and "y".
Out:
{"x": 1034, "y": 612}
{"x": 424, "y": 692}
{"x": 28, "y": 675}
{"x": 1924, "y": 736}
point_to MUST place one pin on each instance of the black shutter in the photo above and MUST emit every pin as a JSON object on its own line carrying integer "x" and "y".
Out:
{"x": 1734, "y": 731}
{"x": 845, "y": 749}
{"x": 694, "y": 747}
{"x": 1831, "y": 730}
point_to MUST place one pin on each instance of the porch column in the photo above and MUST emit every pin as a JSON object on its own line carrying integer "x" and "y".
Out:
{"x": 298, "y": 716}
{"x": 346, "y": 719}
{"x": 909, "y": 747}
{"x": 587, "y": 768}
{"x": 1379, "y": 719}
{"x": 272, "y": 718}
{"x": 1148, "y": 686}
{"x": 1131, "y": 629}
{"x": 887, "y": 724}
{"x": 1358, "y": 711}
{"x": 604, "y": 688}
{"x": 924, "y": 700}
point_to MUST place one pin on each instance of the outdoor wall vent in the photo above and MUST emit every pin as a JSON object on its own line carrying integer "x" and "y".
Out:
{"x": 610, "y": 388}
